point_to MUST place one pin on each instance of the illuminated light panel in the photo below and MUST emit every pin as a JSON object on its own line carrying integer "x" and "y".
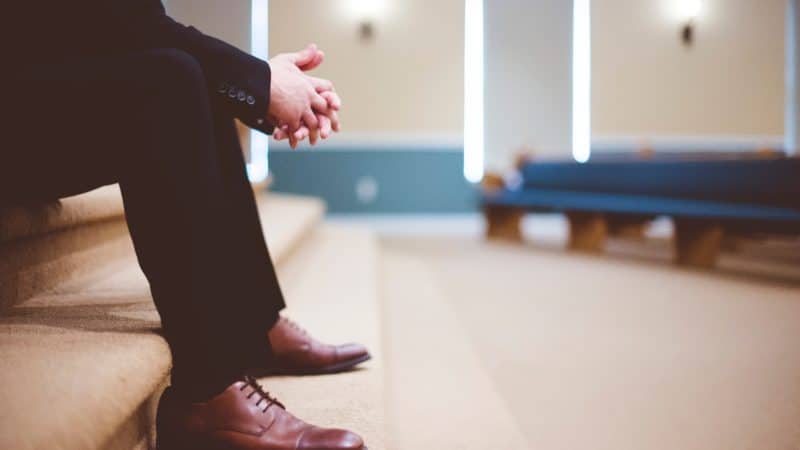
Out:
{"x": 684, "y": 11}
{"x": 473, "y": 91}
{"x": 258, "y": 167}
{"x": 690, "y": 9}
{"x": 582, "y": 81}
{"x": 366, "y": 10}
{"x": 792, "y": 115}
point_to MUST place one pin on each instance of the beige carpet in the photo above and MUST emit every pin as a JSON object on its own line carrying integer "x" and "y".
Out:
{"x": 439, "y": 396}
{"x": 627, "y": 351}
{"x": 77, "y": 362}
{"x": 99, "y": 205}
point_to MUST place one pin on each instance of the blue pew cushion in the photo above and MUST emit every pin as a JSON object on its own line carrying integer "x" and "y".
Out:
{"x": 772, "y": 182}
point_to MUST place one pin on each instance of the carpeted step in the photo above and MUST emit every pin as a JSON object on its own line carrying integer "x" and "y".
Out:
{"x": 287, "y": 220}
{"x": 45, "y": 244}
{"x": 83, "y": 364}
{"x": 439, "y": 396}
{"x": 330, "y": 285}
{"x": 99, "y": 205}
{"x": 80, "y": 363}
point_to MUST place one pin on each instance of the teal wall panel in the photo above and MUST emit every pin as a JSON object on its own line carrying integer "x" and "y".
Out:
{"x": 379, "y": 181}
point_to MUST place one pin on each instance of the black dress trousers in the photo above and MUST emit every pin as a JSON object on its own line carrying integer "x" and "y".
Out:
{"x": 151, "y": 121}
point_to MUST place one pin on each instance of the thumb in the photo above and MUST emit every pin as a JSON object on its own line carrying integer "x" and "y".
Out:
{"x": 306, "y": 56}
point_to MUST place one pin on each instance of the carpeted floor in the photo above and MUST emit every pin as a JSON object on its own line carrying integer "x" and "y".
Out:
{"x": 438, "y": 396}
{"x": 627, "y": 351}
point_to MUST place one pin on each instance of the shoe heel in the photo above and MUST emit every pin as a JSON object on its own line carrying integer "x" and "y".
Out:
{"x": 183, "y": 444}
{"x": 167, "y": 438}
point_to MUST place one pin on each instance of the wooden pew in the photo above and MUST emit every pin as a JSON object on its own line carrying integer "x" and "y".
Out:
{"x": 707, "y": 198}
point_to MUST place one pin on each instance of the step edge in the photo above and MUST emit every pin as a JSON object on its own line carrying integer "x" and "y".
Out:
{"x": 24, "y": 222}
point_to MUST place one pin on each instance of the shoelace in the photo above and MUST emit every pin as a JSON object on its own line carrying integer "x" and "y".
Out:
{"x": 264, "y": 396}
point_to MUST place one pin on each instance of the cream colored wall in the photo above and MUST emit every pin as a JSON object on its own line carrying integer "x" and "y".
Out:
{"x": 730, "y": 83}
{"x": 228, "y": 20}
{"x": 408, "y": 80}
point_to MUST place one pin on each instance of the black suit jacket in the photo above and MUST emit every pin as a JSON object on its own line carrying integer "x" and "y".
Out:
{"x": 41, "y": 30}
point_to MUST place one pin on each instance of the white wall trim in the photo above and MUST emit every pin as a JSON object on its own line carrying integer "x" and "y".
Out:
{"x": 601, "y": 144}
{"x": 353, "y": 141}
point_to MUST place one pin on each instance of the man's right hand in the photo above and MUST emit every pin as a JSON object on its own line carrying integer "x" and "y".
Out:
{"x": 327, "y": 120}
{"x": 295, "y": 99}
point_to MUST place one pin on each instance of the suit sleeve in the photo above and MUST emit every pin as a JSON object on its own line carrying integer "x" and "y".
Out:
{"x": 240, "y": 81}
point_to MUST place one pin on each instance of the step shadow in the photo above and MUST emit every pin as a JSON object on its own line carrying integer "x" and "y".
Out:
{"x": 122, "y": 314}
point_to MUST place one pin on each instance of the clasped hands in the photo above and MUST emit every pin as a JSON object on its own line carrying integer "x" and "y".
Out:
{"x": 301, "y": 106}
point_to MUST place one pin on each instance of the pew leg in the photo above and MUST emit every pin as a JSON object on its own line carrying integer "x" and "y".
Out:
{"x": 697, "y": 243}
{"x": 732, "y": 243}
{"x": 635, "y": 231}
{"x": 628, "y": 227}
{"x": 503, "y": 223}
{"x": 587, "y": 231}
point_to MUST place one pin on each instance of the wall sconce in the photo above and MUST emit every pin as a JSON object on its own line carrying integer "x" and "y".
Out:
{"x": 366, "y": 13}
{"x": 690, "y": 10}
{"x": 366, "y": 30}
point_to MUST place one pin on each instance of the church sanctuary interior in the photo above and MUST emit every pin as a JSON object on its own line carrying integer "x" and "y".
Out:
{"x": 555, "y": 224}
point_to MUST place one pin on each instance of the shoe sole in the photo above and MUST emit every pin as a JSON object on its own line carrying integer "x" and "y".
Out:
{"x": 343, "y": 366}
{"x": 204, "y": 446}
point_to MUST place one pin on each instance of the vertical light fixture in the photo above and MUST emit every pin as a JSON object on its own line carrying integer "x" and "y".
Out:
{"x": 582, "y": 80}
{"x": 258, "y": 167}
{"x": 792, "y": 115}
{"x": 473, "y": 91}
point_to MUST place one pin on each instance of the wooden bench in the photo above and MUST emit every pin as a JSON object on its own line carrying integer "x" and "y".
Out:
{"x": 706, "y": 198}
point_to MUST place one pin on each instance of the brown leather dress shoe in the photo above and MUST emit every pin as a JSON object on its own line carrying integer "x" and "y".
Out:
{"x": 244, "y": 416}
{"x": 297, "y": 353}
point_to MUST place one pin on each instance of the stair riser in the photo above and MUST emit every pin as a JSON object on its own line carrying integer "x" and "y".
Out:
{"x": 35, "y": 265}
{"x": 138, "y": 432}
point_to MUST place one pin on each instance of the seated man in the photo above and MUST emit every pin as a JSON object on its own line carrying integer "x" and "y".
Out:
{"x": 114, "y": 91}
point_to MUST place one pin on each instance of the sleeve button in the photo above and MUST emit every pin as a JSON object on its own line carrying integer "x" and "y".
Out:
{"x": 241, "y": 96}
{"x": 251, "y": 100}
{"x": 232, "y": 92}
{"x": 223, "y": 88}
